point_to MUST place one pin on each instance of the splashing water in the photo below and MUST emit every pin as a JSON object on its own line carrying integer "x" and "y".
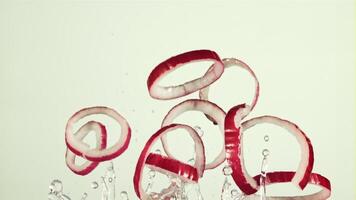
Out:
{"x": 108, "y": 181}
{"x": 227, "y": 191}
{"x": 264, "y": 167}
{"x": 56, "y": 191}
{"x": 151, "y": 177}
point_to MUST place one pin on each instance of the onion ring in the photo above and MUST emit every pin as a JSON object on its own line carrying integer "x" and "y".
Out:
{"x": 87, "y": 166}
{"x": 228, "y": 62}
{"x": 207, "y": 108}
{"x": 170, "y": 92}
{"x": 234, "y": 154}
{"x": 284, "y": 177}
{"x": 171, "y": 166}
{"x": 199, "y": 160}
{"x": 80, "y": 149}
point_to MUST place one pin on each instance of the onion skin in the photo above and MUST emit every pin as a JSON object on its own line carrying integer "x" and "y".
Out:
{"x": 233, "y": 146}
{"x": 208, "y": 108}
{"x": 229, "y": 62}
{"x": 167, "y": 66}
{"x": 233, "y": 151}
{"x": 287, "y": 176}
{"x": 302, "y": 175}
{"x": 199, "y": 162}
{"x": 101, "y": 142}
{"x": 95, "y": 155}
{"x": 165, "y": 163}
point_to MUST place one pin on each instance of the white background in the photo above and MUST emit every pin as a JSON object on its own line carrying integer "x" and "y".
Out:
{"x": 56, "y": 58}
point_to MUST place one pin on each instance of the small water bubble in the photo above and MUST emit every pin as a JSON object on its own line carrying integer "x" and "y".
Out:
{"x": 94, "y": 185}
{"x": 199, "y": 130}
{"x": 265, "y": 152}
{"x": 110, "y": 180}
{"x": 234, "y": 192}
{"x": 266, "y": 138}
{"x": 110, "y": 166}
{"x": 158, "y": 151}
{"x": 84, "y": 196}
{"x": 227, "y": 170}
{"x": 56, "y": 186}
{"x": 124, "y": 195}
{"x": 152, "y": 173}
{"x": 51, "y": 189}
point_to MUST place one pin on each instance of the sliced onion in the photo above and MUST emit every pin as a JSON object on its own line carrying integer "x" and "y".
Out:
{"x": 170, "y": 92}
{"x": 285, "y": 177}
{"x": 207, "y": 108}
{"x": 172, "y": 167}
{"x": 233, "y": 145}
{"x": 199, "y": 159}
{"x": 87, "y": 166}
{"x": 80, "y": 149}
{"x": 228, "y": 62}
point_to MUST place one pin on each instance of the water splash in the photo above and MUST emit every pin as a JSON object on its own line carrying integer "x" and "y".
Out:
{"x": 56, "y": 191}
{"x": 108, "y": 182}
{"x": 151, "y": 178}
{"x": 228, "y": 192}
{"x": 264, "y": 168}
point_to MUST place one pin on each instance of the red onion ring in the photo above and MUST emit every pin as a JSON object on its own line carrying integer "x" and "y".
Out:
{"x": 80, "y": 149}
{"x": 228, "y": 62}
{"x": 87, "y": 166}
{"x": 234, "y": 154}
{"x": 171, "y": 166}
{"x": 199, "y": 160}
{"x": 284, "y": 177}
{"x": 207, "y": 108}
{"x": 170, "y": 92}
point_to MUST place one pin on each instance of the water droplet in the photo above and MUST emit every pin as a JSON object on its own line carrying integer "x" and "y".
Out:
{"x": 56, "y": 186}
{"x": 266, "y": 138}
{"x": 51, "y": 188}
{"x": 234, "y": 192}
{"x": 158, "y": 151}
{"x": 191, "y": 161}
{"x": 84, "y": 196}
{"x": 265, "y": 152}
{"x": 227, "y": 170}
{"x": 110, "y": 180}
{"x": 110, "y": 166}
{"x": 94, "y": 185}
{"x": 199, "y": 130}
{"x": 124, "y": 195}
{"x": 152, "y": 173}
